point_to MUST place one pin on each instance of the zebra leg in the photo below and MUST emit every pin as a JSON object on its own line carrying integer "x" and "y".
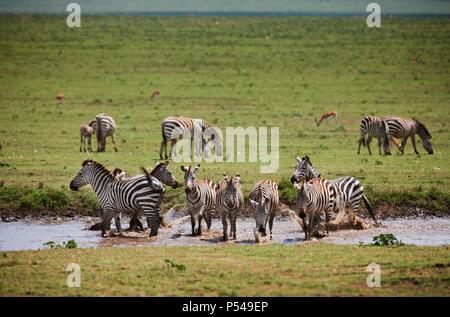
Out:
{"x": 163, "y": 144}
{"x": 208, "y": 220}
{"x": 153, "y": 219}
{"x": 379, "y": 146}
{"x": 81, "y": 142}
{"x": 361, "y": 141}
{"x": 302, "y": 216}
{"x": 271, "y": 217}
{"x": 403, "y": 144}
{"x": 106, "y": 221}
{"x": 225, "y": 225}
{"x": 199, "y": 230}
{"x": 114, "y": 142}
{"x": 172, "y": 144}
{"x": 369, "y": 139}
{"x": 89, "y": 144}
{"x": 193, "y": 224}
{"x": 413, "y": 140}
{"x": 233, "y": 217}
{"x": 117, "y": 219}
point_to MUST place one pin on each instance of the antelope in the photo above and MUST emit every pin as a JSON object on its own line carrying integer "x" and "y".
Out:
{"x": 326, "y": 116}
{"x": 155, "y": 95}
{"x": 59, "y": 98}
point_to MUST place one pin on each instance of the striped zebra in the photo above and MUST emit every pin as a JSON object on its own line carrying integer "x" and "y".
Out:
{"x": 264, "y": 199}
{"x": 350, "y": 192}
{"x": 161, "y": 172}
{"x": 140, "y": 193}
{"x": 316, "y": 198}
{"x": 105, "y": 126}
{"x": 200, "y": 196}
{"x": 176, "y": 128}
{"x": 403, "y": 128}
{"x": 230, "y": 201}
{"x": 374, "y": 127}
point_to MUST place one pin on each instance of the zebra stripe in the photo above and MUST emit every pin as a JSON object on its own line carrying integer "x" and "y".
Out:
{"x": 374, "y": 127}
{"x": 264, "y": 199}
{"x": 230, "y": 200}
{"x": 175, "y": 128}
{"x": 316, "y": 198}
{"x": 200, "y": 196}
{"x": 349, "y": 190}
{"x": 405, "y": 127}
{"x": 116, "y": 196}
{"x": 105, "y": 126}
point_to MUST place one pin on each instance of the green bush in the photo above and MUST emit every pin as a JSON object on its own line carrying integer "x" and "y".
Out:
{"x": 288, "y": 193}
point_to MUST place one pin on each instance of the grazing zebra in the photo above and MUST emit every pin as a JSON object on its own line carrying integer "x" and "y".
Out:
{"x": 86, "y": 132}
{"x": 229, "y": 201}
{"x": 139, "y": 193}
{"x": 201, "y": 198}
{"x": 175, "y": 128}
{"x": 404, "y": 128}
{"x": 264, "y": 199}
{"x": 105, "y": 126}
{"x": 349, "y": 191}
{"x": 316, "y": 197}
{"x": 374, "y": 127}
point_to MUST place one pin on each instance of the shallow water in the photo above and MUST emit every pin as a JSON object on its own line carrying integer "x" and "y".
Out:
{"x": 26, "y": 234}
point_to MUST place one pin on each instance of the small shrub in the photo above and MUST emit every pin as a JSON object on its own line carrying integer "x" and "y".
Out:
{"x": 386, "y": 240}
{"x": 172, "y": 264}
{"x": 288, "y": 193}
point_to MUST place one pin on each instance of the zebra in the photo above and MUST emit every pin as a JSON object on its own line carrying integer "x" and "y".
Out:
{"x": 200, "y": 196}
{"x": 374, "y": 127}
{"x": 316, "y": 198}
{"x": 230, "y": 200}
{"x": 139, "y": 193}
{"x": 349, "y": 190}
{"x": 105, "y": 126}
{"x": 264, "y": 199}
{"x": 405, "y": 127}
{"x": 86, "y": 132}
{"x": 161, "y": 172}
{"x": 175, "y": 128}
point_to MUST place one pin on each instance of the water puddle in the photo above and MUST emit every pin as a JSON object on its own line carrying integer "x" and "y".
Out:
{"x": 27, "y": 234}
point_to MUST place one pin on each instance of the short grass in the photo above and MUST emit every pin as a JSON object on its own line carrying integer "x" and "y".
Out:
{"x": 311, "y": 269}
{"x": 242, "y": 71}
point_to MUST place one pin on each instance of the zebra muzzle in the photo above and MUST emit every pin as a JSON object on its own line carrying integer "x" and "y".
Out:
{"x": 73, "y": 186}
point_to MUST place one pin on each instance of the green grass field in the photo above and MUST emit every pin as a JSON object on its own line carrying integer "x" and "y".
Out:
{"x": 262, "y": 72}
{"x": 314, "y": 269}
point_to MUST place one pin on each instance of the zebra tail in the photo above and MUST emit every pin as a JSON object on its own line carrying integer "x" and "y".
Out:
{"x": 369, "y": 208}
{"x": 148, "y": 176}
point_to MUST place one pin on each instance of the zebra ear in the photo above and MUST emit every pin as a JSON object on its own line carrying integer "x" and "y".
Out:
{"x": 298, "y": 159}
{"x": 184, "y": 168}
{"x": 196, "y": 167}
{"x": 166, "y": 163}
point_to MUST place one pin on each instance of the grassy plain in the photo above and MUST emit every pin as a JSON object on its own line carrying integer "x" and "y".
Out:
{"x": 319, "y": 269}
{"x": 233, "y": 71}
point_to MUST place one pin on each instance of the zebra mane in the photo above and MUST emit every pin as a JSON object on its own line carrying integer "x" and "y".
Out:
{"x": 156, "y": 168}
{"x": 97, "y": 165}
{"x": 423, "y": 128}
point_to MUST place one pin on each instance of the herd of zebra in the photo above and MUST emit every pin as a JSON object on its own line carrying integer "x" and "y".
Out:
{"x": 321, "y": 202}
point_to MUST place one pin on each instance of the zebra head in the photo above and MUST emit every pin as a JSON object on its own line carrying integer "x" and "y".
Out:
{"x": 425, "y": 135}
{"x": 165, "y": 175}
{"x": 88, "y": 173}
{"x": 233, "y": 184}
{"x": 189, "y": 177}
{"x": 304, "y": 170}
{"x": 261, "y": 212}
